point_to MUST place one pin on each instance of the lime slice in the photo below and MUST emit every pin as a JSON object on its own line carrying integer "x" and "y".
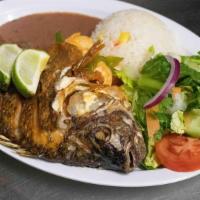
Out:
{"x": 8, "y": 55}
{"x": 27, "y": 70}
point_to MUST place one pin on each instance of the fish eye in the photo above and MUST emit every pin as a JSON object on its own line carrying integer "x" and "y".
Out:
{"x": 102, "y": 135}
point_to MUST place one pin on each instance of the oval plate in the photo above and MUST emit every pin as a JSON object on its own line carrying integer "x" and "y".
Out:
{"x": 12, "y": 9}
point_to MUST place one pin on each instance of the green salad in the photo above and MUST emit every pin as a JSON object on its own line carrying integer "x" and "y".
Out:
{"x": 178, "y": 112}
{"x": 165, "y": 101}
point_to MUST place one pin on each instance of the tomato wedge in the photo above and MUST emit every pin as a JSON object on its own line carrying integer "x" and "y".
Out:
{"x": 179, "y": 153}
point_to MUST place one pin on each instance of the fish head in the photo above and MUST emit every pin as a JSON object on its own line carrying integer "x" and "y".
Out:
{"x": 102, "y": 120}
{"x": 118, "y": 141}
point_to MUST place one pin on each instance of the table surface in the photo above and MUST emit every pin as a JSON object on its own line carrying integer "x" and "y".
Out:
{"x": 21, "y": 182}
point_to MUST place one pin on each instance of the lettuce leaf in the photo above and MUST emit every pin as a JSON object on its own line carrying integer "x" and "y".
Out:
{"x": 190, "y": 78}
{"x": 111, "y": 61}
{"x": 153, "y": 76}
{"x": 154, "y": 73}
{"x": 127, "y": 81}
{"x": 192, "y": 61}
{"x": 150, "y": 159}
{"x": 164, "y": 117}
{"x": 157, "y": 68}
{"x": 193, "y": 99}
{"x": 190, "y": 71}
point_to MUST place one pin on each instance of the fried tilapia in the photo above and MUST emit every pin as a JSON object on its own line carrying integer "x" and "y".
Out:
{"x": 72, "y": 120}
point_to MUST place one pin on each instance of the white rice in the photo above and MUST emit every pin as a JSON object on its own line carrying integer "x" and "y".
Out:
{"x": 145, "y": 30}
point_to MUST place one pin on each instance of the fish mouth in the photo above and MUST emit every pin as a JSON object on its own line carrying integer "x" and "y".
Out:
{"x": 119, "y": 160}
{"x": 131, "y": 160}
{"x": 113, "y": 156}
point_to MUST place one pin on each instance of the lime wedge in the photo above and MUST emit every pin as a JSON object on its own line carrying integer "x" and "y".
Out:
{"x": 27, "y": 70}
{"x": 8, "y": 54}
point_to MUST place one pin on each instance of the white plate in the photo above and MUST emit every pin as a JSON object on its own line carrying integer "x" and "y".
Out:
{"x": 12, "y": 9}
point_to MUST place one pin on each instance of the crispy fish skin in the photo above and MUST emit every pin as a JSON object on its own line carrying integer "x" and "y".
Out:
{"x": 103, "y": 132}
{"x": 110, "y": 134}
{"x": 61, "y": 56}
{"x": 10, "y": 104}
{"x": 37, "y": 140}
{"x": 32, "y": 123}
{"x": 94, "y": 126}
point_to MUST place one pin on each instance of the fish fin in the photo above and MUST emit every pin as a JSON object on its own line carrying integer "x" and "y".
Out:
{"x": 9, "y": 144}
{"x": 24, "y": 153}
{"x": 6, "y": 142}
{"x": 4, "y": 138}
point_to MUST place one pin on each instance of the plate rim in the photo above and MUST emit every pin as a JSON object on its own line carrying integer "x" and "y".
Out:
{"x": 93, "y": 181}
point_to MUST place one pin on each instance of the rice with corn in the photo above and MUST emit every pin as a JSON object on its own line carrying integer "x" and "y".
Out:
{"x": 134, "y": 35}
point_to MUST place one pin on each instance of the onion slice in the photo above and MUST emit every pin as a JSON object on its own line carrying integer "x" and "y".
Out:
{"x": 169, "y": 84}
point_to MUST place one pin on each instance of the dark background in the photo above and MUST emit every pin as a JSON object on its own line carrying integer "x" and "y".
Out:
{"x": 186, "y": 12}
{"x": 20, "y": 182}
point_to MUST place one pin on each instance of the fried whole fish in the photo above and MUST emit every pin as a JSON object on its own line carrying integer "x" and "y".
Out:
{"x": 71, "y": 120}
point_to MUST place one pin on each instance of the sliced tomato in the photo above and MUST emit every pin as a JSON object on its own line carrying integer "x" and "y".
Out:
{"x": 179, "y": 153}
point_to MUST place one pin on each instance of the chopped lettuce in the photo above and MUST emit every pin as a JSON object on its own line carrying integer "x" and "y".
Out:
{"x": 192, "y": 61}
{"x": 111, "y": 61}
{"x": 164, "y": 117}
{"x": 188, "y": 76}
{"x": 128, "y": 82}
{"x": 150, "y": 161}
{"x": 137, "y": 96}
{"x": 192, "y": 123}
{"x": 190, "y": 79}
{"x": 157, "y": 68}
{"x": 153, "y": 76}
{"x": 154, "y": 73}
{"x": 193, "y": 98}
{"x": 177, "y": 122}
{"x": 171, "y": 111}
{"x": 190, "y": 71}
{"x": 140, "y": 97}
